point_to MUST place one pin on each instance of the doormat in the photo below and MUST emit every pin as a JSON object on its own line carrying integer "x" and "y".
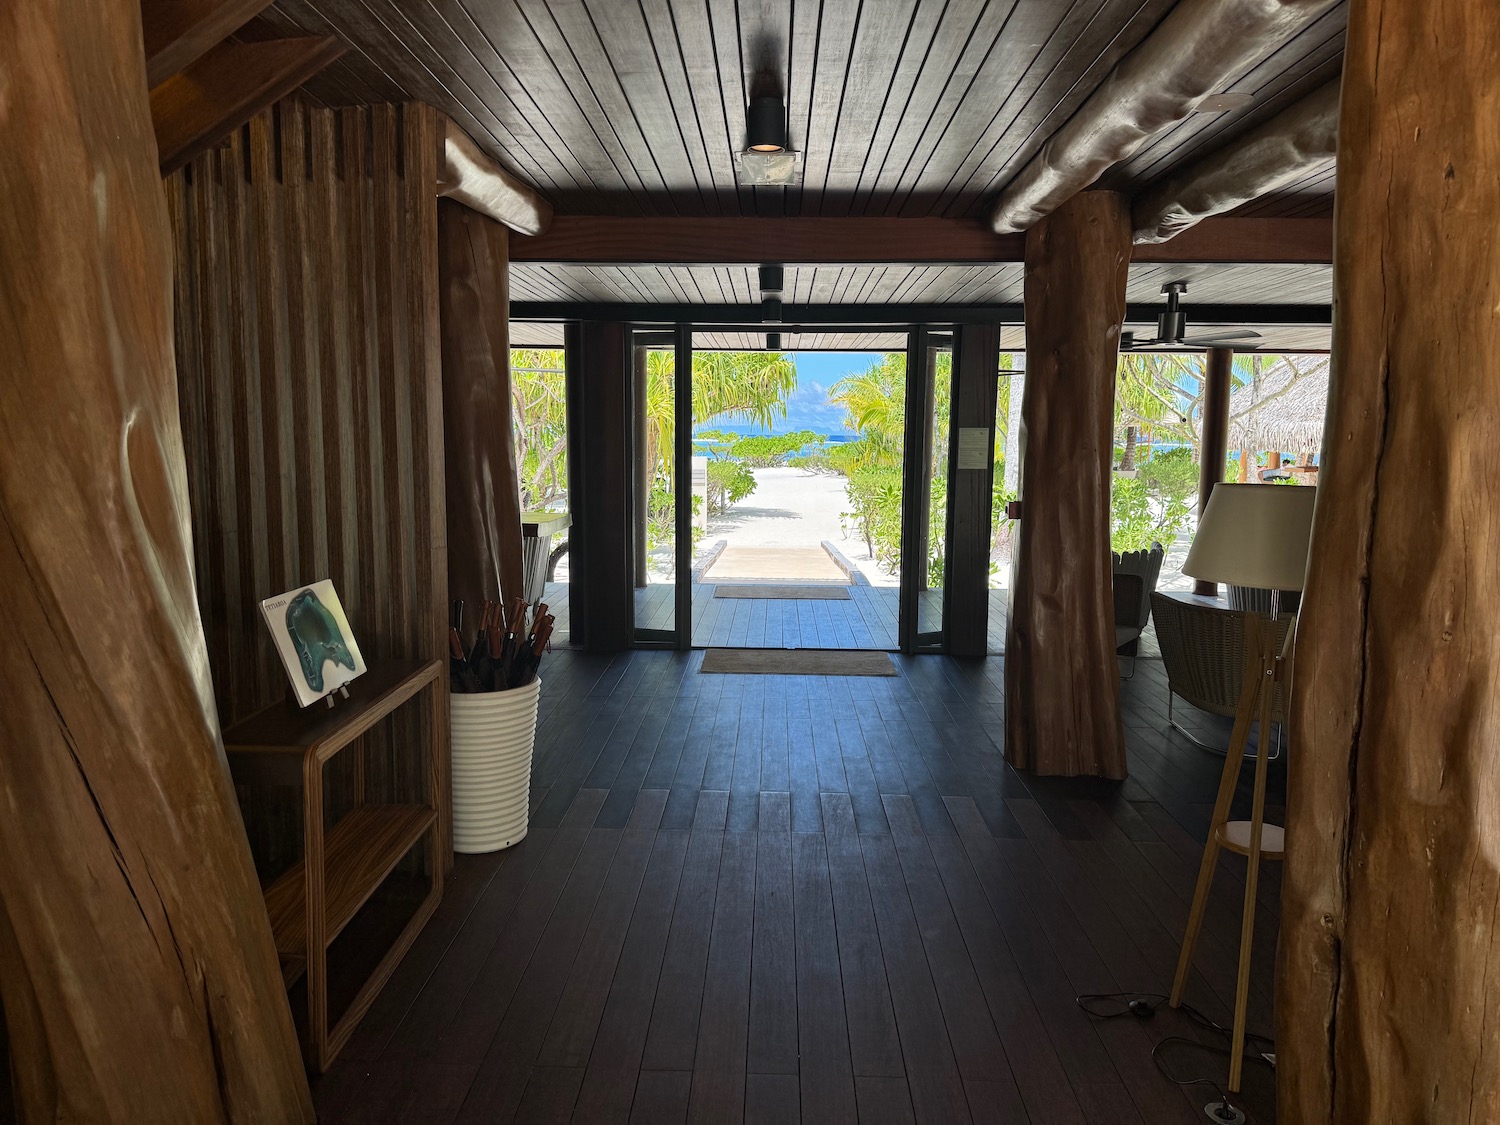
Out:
{"x": 796, "y": 662}
{"x": 786, "y": 593}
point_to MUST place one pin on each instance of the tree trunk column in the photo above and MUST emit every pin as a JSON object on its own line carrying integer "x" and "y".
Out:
{"x": 1062, "y": 690}
{"x": 1387, "y": 989}
{"x": 479, "y": 444}
{"x": 137, "y": 970}
{"x": 1215, "y": 445}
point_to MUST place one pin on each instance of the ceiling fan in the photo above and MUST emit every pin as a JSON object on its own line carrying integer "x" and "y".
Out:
{"x": 1171, "y": 328}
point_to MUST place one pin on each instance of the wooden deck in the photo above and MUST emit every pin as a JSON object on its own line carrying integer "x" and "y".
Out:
{"x": 769, "y": 898}
{"x": 866, "y": 621}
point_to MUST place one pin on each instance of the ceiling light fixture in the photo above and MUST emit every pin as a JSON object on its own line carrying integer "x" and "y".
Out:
{"x": 765, "y": 124}
{"x": 766, "y": 161}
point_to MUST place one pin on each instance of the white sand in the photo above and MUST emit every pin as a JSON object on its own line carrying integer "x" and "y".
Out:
{"x": 795, "y": 508}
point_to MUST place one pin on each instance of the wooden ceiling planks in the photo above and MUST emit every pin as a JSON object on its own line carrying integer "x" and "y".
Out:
{"x": 908, "y": 107}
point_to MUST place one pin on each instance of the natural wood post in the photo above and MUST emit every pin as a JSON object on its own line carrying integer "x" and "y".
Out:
{"x": 136, "y": 966}
{"x": 1214, "y": 447}
{"x": 484, "y": 498}
{"x": 1062, "y": 688}
{"x": 1387, "y": 984}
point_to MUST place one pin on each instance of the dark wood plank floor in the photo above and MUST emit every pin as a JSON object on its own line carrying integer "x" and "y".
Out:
{"x": 766, "y": 898}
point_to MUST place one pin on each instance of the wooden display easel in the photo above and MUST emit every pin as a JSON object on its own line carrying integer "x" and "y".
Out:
{"x": 312, "y": 902}
{"x": 1266, "y": 670}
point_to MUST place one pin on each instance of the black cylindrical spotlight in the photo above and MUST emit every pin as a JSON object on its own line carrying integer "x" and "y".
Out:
{"x": 773, "y": 341}
{"x": 771, "y": 279}
{"x": 765, "y": 124}
{"x": 770, "y": 310}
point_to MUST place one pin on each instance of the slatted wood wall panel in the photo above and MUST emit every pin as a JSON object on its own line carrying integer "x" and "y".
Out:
{"x": 902, "y": 107}
{"x": 308, "y": 370}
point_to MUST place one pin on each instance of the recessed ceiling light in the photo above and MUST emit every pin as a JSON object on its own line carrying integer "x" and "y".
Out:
{"x": 765, "y": 124}
{"x": 1224, "y": 103}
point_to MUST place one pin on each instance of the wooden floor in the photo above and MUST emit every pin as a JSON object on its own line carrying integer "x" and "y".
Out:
{"x": 777, "y": 898}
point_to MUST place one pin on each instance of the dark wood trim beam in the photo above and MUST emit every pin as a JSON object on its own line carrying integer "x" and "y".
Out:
{"x": 747, "y": 239}
{"x": 179, "y": 32}
{"x": 467, "y": 174}
{"x": 797, "y": 317}
{"x": 1247, "y": 241}
{"x": 751, "y": 240}
{"x": 1199, "y": 47}
{"x": 1293, "y": 144}
{"x": 226, "y": 87}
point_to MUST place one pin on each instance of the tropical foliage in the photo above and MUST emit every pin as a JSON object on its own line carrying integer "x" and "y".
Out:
{"x": 727, "y": 386}
{"x": 1159, "y": 402}
{"x": 729, "y": 482}
{"x": 538, "y": 388}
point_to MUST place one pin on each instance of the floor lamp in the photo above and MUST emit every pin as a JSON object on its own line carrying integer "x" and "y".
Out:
{"x": 1250, "y": 535}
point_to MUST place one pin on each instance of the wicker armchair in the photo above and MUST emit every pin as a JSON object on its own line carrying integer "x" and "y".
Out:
{"x": 1203, "y": 652}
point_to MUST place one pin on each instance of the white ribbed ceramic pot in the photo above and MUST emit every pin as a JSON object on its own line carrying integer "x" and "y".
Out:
{"x": 492, "y": 736}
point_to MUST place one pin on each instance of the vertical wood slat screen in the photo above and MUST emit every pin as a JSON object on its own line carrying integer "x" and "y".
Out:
{"x": 311, "y": 398}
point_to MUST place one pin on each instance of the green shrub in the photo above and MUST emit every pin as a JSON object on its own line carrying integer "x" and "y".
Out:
{"x": 729, "y": 482}
{"x": 765, "y": 450}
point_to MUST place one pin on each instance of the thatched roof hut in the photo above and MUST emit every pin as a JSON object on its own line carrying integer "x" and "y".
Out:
{"x": 1282, "y": 409}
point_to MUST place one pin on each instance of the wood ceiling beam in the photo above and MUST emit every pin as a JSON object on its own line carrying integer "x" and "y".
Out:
{"x": 1290, "y": 146}
{"x": 226, "y": 87}
{"x": 178, "y": 32}
{"x": 468, "y": 175}
{"x": 1199, "y": 47}
{"x": 748, "y": 240}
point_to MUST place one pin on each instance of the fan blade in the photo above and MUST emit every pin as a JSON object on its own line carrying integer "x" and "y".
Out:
{"x": 1218, "y": 337}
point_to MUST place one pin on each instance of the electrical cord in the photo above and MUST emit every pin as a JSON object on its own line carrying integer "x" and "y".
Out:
{"x": 1143, "y": 1005}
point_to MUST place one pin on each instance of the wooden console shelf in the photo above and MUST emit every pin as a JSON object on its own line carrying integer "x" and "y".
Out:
{"x": 344, "y": 865}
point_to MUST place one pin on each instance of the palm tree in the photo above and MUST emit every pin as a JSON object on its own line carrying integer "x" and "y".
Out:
{"x": 732, "y": 386}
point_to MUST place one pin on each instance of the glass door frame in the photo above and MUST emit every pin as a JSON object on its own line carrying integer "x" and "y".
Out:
{"x": 924, "y": 341}
{"x": 680, "y": 338}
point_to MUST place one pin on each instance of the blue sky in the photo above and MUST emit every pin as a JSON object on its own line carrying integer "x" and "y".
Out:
{"x": 809, "y": 408}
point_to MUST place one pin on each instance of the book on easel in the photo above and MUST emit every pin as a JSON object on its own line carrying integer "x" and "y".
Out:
{"x": 313, "y": 639}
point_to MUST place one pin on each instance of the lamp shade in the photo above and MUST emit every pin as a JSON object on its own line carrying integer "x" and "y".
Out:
{"x": 1254, "y": 535}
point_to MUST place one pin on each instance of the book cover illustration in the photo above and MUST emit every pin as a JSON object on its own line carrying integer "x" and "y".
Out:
{"x": 314, "y": 640}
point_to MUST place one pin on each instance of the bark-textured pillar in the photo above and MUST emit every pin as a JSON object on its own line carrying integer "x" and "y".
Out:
{"x": 137, "y": 972}
{"x": 479, "y": 443}
{"x": 1388, "y": 990}
{"x": 1215, "y": 442}
{"x": 1062, "y": 688}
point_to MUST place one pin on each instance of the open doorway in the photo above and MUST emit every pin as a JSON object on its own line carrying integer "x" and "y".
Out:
{"x": 797, "y": 465}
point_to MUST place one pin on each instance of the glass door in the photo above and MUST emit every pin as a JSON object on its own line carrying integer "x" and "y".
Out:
{"x": 929, "y": 387}
{"x": 660, "y": 439}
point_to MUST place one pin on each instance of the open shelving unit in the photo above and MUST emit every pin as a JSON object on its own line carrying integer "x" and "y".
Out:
{"x": 313, "y": 901}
